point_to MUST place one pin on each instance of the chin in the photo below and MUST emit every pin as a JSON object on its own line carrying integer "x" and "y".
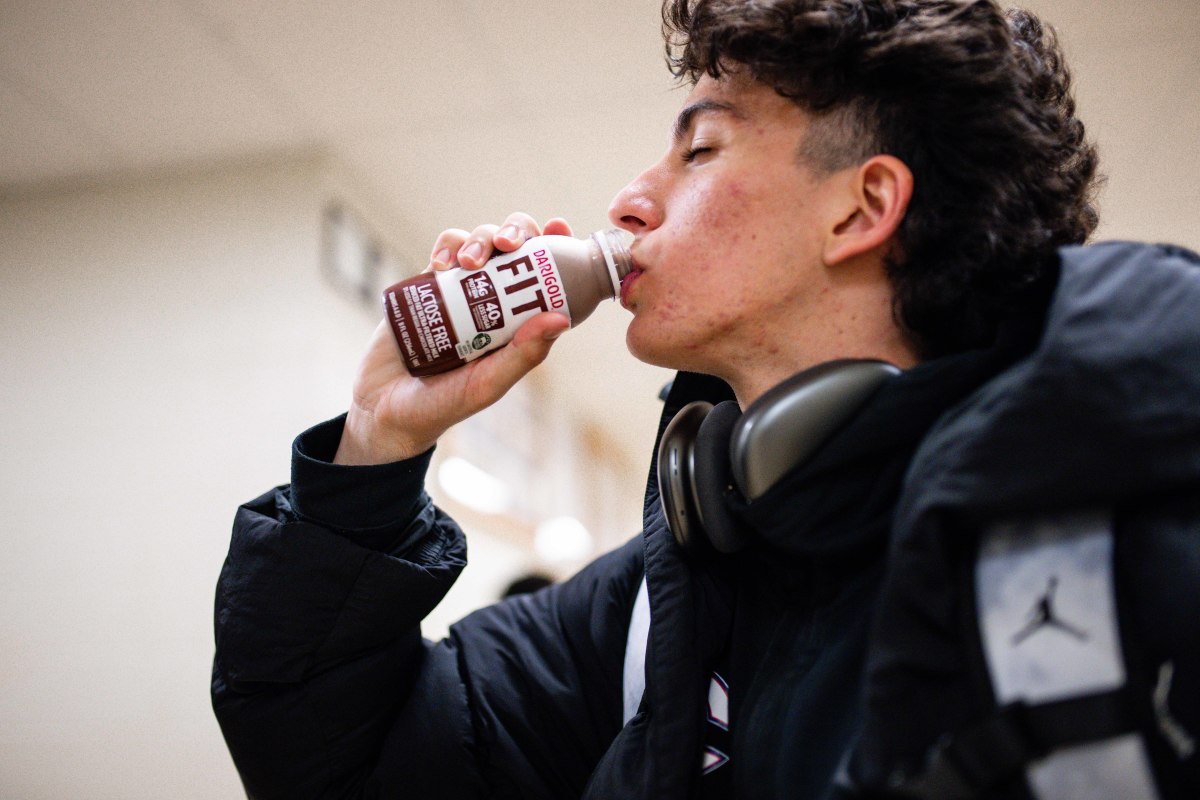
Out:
{"x": 651, "y": 347}
{"x": 647, "y": 348}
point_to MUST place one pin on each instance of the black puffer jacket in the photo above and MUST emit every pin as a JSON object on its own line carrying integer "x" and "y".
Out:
{"x": 324, "y": 687}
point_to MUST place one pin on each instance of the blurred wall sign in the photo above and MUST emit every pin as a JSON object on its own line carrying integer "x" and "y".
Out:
{"x": 352, "y": 259}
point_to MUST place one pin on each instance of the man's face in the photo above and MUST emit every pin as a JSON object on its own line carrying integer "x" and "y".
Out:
{"x": 729, "y": 226}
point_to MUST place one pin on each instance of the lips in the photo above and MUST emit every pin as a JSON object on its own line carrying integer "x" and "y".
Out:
{"x": 627, "y": 284}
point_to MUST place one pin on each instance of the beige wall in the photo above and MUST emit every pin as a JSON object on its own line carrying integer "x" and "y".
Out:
{"x": 1136, "y": 68}
{"x": 158, "y": 355}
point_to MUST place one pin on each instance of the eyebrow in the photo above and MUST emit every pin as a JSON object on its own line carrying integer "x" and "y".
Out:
{"x": 683, "y": 122}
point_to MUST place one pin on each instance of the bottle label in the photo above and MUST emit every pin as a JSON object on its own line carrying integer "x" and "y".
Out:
{"x": 480, "y": 292}
{"x": 443, "y": 319}
{"x": 416, "y": 310}
{"x": 488, "y": 305}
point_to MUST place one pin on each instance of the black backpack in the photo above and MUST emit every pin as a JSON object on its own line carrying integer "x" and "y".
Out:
{"x": 1039, "y": 630}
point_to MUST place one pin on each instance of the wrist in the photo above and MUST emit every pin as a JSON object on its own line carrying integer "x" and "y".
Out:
{"x": 365, "y": 442}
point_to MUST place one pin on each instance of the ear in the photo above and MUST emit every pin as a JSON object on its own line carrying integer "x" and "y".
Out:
{"x": 877, "y": 199}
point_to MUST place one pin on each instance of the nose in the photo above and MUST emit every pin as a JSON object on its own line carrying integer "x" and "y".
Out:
{"x": 637, "y": 208}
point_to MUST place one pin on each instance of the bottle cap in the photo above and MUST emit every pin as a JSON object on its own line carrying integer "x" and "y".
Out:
{"x": 614, "y": 244}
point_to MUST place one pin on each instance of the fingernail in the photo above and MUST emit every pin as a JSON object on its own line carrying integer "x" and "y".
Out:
{"x": 472, "y": 252}
{"x": 442, "y": 257}
{"x": 553, "y": 334}
{"x": 510, "y": 232}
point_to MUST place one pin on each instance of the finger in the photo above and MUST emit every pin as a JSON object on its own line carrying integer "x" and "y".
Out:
{"x": 445, "y": 246}
{"x": 558, "y": 227}
{"x": 516, "y": 229}
{"x": 542, "y": 327}
{"x": 500, "y": 370}
{"x": 477, "y": 248}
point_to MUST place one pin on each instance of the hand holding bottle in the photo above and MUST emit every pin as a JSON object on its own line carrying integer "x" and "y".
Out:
{"x": 394, "y": 415}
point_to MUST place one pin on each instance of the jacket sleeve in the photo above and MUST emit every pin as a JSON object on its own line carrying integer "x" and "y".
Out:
{"x": 523, "y": 697}
{"x": 324, "y": 687}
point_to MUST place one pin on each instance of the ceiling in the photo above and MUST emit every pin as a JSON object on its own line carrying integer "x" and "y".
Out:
{"x": 453, "y": 109}
{"x": 458, "y": 111}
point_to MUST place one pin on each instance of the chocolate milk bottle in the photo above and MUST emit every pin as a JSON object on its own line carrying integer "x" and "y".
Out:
{"x": 444, "y": 319}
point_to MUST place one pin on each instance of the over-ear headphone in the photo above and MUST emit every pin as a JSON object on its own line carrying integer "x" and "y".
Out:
{"x": 707, "y": 451}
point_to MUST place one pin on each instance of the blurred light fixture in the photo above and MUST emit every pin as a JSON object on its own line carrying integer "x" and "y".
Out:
{"x": 562, "y": 539}
{"x": 473, "y": 487}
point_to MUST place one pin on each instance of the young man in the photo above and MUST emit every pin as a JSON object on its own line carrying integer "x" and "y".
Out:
{"x": 848, "y": 179}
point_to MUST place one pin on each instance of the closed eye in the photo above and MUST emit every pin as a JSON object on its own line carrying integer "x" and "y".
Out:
{"x": 692, "y": 153}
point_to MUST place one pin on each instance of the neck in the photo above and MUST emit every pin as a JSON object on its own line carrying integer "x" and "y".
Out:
{"x": 751, "y": 380}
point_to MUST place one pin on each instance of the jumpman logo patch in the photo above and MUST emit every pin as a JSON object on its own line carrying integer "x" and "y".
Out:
{"x": 1043, "y": 615}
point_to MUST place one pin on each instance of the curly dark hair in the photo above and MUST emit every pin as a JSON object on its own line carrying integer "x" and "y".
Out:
{"x": 975, "y": 100}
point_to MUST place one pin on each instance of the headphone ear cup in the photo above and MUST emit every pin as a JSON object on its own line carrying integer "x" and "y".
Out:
{"x": 694, "y": 476}
{"x": 713, "y": 477}
{"x": 676, "y": 471}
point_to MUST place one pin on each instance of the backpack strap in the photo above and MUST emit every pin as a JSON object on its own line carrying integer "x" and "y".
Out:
{"x": 1018, "y": 738}
{"x": 1046, "y": 602}
{"x": 1066, "y": 717}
